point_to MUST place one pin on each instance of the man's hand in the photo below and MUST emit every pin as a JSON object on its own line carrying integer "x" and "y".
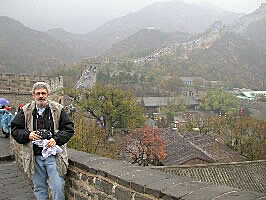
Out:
{"x": 51, "y": 143}
{"x": 34, "y": 136}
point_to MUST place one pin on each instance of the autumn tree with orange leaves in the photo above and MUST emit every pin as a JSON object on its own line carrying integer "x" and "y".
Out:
{"x": 145, "y": 146}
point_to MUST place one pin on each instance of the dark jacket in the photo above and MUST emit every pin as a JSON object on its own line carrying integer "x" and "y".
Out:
{"x": 21, "y": 134}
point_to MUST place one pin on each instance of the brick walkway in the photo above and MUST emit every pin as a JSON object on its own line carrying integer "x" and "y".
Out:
{"x": 13, "y": 184}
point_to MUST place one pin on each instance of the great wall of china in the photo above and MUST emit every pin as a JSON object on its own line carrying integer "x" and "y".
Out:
{"x": 17, "y": 88}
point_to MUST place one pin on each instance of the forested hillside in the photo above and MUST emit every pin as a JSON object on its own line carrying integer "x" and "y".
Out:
{"x": 237, "y": 61}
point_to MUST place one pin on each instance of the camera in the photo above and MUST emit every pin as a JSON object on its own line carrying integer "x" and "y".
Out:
{"x": 44, "y": 134}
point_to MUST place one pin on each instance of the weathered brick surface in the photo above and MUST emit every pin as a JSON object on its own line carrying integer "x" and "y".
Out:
{"x": 104, "y": 186}
{"x": 14, "y": 185}
{"x": 121, "y": 193}
{"x": 141, "y": 197}
{"x": 121, "y": 180}
{"x": 17, "y": 89}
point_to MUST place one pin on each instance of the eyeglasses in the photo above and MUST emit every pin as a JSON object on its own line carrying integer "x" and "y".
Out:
{"x": 41, "y": 93}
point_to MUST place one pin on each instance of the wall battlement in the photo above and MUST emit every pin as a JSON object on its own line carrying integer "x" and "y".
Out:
{"x": 17, "y": 88}
{"x": 10, "y": 83}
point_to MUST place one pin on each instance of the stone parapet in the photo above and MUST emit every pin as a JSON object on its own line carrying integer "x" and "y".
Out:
{"x": 95, "y": 177}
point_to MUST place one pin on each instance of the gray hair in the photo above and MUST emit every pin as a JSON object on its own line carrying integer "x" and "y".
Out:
{"x": 40, "y": 85}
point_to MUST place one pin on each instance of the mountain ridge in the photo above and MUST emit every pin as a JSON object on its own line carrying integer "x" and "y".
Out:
{"x": 166, "y": 16}
{"x": 25, "y": 50}
{"x": 143, "y": 42}
{"x": 22, "y": 47}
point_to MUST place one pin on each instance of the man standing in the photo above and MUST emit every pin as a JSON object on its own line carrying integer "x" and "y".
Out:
{"x": 48, "y": 119}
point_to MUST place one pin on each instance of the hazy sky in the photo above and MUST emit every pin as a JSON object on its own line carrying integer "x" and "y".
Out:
{"x": 81, "y": 16}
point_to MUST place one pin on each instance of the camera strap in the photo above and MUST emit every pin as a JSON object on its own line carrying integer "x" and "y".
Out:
{"x": 37, "y": 121}
{"x": 43, "y": 118}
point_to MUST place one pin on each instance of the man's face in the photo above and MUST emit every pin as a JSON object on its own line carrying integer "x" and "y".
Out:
{"x": 40, "y": 97}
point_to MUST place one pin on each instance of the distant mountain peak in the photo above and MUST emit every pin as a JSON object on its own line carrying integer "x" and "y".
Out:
{"x": 243, "y": 23}
{"x": 5, "y": 20}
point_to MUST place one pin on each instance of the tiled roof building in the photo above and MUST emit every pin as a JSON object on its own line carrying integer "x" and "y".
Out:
{"x": 248, "y": 175}
{"x": 195, "y": 148}
{"x": 217, "y": 151}
{"x": 199, "y": 156}
{"x": 180, "y": 151}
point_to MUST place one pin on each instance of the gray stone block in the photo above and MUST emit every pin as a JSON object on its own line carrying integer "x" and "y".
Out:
{"x": 155, "y": 188}
{"x": 181, "y": 189}
{"x": 141, "y": 181}
{"x": 208, "y": 192}
{"x": 242, "y": 195}
{"x": 121, "y": 174}
{"x": 141, "y": 197}
{"x": 124, "y": 183}
{"x": 73, "y": 174}
{"x": 122, "y": 194}
{"x": 111, "y": 166}
{"x": 103, "y": 186}
{"x": 75, "y": 154}
{"x": 83, "y": 166}
{"x": 125, "y": 170}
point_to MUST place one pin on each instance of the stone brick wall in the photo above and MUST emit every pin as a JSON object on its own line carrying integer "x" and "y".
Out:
{"x": 16, "y": 98}
{"x": 23, "y": 83}
{"x": 17, "y": 89}
{"x": 92, "y": 177}
{"x": 16, "y": 150}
